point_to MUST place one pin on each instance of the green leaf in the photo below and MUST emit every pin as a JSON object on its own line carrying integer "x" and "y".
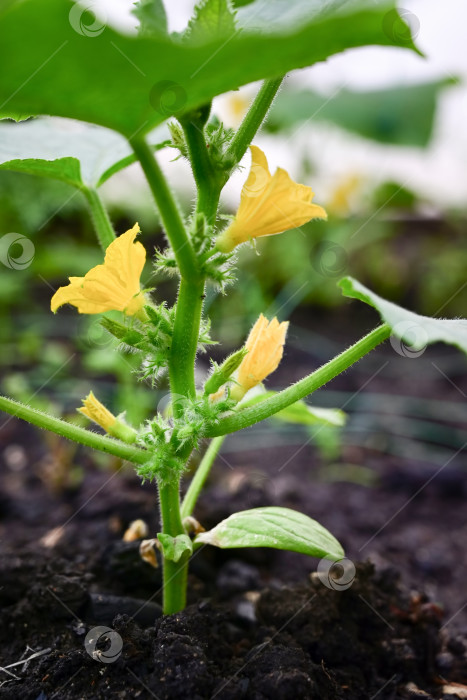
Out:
{"x": 278, "y": 528}
{"x": 301, "y": 413}
{"x": 64, "y": 149}
{"x": 152, "y": 17}
{"x": 400, "y": 115}
{"x": 212, "y": 18}
{"x": 174, "y": 548}
{"x": 131, "y": 84}
{"x": 413, "y": 330}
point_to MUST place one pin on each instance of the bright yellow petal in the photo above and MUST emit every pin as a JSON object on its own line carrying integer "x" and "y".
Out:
{"x": 96, "y": 411}
{"x": 265, "y": 346}
{"x": 269, "y": 205}
{"x": 112, "y": 286}
{"x": 126, "y": 259}
{"x": 68, "y": 295}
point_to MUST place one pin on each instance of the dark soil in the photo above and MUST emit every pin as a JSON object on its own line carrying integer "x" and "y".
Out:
{"x": 260, "y": 623}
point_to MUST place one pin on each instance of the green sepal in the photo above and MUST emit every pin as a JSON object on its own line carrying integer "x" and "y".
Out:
{"x": 221, "y": 374}
{"x": 126, "y": 335}
{"x": 178, "y": 139}
{"x": 175, "y": 548}
{"x": 161, "y": 318}
{"x": 121, "y": 430}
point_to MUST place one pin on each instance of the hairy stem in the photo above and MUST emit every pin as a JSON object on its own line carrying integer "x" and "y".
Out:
{"x": 168, "y": 210}
{"x": 185, "y": 341}
{"x": 208, "y": 182}
{"x": 253, "y": 119}
{"x": 73, "y": 432}
{"x": 315, "y": 380}
{"x": 175, "y": 573}
{"x": 100, "y": 218}
{"x": 200, "y": 476}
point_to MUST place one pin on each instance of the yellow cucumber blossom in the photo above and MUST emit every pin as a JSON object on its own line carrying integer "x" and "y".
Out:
{"x": 96, "y": 411}
{"x": 265, "y": 346}
{"x": 269, "y": 204}
{"x": 93, "y": 409}
{"x": 111, "y": 286}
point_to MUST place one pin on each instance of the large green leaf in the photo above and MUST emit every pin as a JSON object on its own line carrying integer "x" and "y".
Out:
{"x": 57, "y": 67}
{"x": 400, "y": 115}
{"x": 413, "y": 330}
{"x": 74, "y": 152}
{"x": 279, "y": 528}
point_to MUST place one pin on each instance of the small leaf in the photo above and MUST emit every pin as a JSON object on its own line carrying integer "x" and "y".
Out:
{"x": 303, "y": 414}
{"x": 413, "y": 330}
{"x": 212, "y": 18}
{"x": 152, "y": 18}
{"x": 174, "y": 548}
{"x": 279, "y": 528}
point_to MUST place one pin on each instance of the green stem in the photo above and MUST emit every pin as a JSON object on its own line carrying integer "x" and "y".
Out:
{"x": 168, "y": 210}
{"x": 175, "y": 573}
{"x": 208, "y": 182}
{"x": 185, "y": 341}
{"x": 302, "y": 388}
{"x": 201, "y": 474}
{"x": 253, "y": 119}
{"x": 100, "y": 218}
{"x": 73, "y": 432}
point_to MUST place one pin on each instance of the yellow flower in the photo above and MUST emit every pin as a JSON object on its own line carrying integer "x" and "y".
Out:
{"x": 96, "y": 411}
{"x": 111, "y": 286}
{"x": 265, "y": 346}
{"x": 269, "y": 204}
